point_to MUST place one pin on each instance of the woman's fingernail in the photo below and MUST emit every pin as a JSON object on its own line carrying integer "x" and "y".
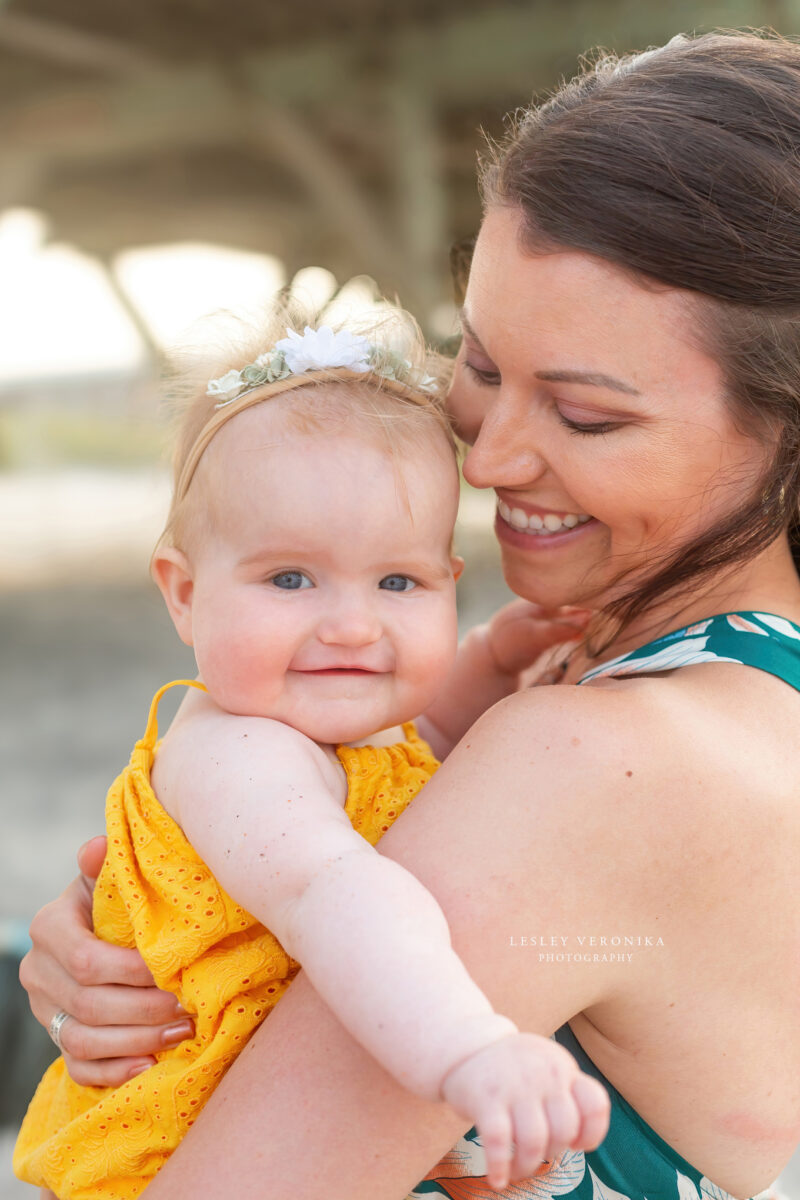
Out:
{"x": 134, "y": 1071}
{"x": 177, "y": 1032}
{"x": 180, "y": 1011}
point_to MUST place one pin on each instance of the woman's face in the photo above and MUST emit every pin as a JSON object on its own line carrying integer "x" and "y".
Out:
{"x": 593, "y": 414}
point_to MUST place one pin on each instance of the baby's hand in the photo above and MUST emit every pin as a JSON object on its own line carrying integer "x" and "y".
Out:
{"x": 529, "y": 1101}
{"x": 520, "y": 632}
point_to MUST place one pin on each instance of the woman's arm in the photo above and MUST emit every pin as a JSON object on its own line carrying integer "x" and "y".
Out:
{"x": 518, "y": 834}
{"x": 306, "y": 1113}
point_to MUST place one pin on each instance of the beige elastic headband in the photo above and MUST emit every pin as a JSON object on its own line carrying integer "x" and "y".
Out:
{"x": 259, "y": 394}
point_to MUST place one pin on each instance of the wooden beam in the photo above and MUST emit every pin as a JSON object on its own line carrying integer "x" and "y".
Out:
{"x": 56, "y": 42}
{"x": 497, "y": 55}
{"x": 500, "y": 53}
{"x": 290, "y": 137}
{"x": 413, "y": 155}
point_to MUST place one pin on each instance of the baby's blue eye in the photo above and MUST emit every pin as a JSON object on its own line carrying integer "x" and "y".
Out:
{"x": 291, "y": 581}
{"x": 397, "y": 583}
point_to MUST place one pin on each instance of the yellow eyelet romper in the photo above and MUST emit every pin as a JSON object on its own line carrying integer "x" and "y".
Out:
{"x": 156, "y": 894}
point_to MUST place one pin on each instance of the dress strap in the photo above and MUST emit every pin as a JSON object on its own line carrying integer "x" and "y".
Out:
{"x": 151, "y": 731}
{"x": 752, "y": 639}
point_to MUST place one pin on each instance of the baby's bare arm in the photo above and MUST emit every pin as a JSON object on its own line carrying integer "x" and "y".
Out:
{"x": 257, "y": 801}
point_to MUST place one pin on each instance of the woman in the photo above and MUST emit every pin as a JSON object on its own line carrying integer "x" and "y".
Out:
{"x": 617, "y": 860}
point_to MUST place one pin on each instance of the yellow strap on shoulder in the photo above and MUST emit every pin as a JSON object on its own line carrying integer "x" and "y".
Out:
{"x": 151, "y": 732}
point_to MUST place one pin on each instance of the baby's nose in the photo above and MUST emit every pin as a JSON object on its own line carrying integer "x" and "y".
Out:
{"x": 350, "y": 623}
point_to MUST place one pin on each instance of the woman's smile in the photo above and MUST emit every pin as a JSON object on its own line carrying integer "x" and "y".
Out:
{"x": 537, "y": 537}
{"x": 527, "y": 518}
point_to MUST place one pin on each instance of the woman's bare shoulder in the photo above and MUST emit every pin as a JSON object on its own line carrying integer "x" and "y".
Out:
{"x": 577, "y": 750}
{"x": 570, "y": 810}
{"x": 538, "y": 831}
{"x": 695, "y": 739}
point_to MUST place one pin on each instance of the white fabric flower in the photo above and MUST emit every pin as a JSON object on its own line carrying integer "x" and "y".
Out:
{"x": 227, "y": 387}
{"x": 316, "y": 349}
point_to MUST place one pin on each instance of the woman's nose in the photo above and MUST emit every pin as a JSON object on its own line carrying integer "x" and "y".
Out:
{"x": 349, "y": 621}
{"x": 505, "y": 452}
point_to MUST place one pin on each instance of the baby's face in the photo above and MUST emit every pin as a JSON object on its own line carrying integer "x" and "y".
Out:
{"x": 324, "y": 595}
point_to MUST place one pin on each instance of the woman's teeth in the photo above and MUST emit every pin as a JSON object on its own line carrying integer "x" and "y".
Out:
{"x": 550, "y": 523}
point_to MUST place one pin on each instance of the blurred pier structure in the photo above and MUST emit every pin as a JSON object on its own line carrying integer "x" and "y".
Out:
{"x": 341, "y": 135}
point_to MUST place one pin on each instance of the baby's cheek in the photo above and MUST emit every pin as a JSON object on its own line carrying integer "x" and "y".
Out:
{"x": 229, "y": 670}
{"x": 433, "y": 667}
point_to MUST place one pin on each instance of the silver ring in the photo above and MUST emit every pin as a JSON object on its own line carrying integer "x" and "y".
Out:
{"x": 55, "y": 1027}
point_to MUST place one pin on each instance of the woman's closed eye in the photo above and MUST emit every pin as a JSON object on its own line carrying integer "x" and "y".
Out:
{"x": 291, "y": 581}
{"x": 586, "y": 427}
{"x": 489, "y": 377}
{"x": 397, "y": 583}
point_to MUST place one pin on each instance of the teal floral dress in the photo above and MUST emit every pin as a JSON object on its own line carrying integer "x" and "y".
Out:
{"x": 633, "y": 1162}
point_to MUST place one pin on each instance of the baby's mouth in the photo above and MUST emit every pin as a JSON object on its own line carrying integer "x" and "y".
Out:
{"x": 337, "y": 671}
{"x": 540, "y": 525}
{"x": 341, "y": 671}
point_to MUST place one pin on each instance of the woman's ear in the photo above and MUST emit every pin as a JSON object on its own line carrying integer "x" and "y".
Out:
{"x": 172, "y": 572}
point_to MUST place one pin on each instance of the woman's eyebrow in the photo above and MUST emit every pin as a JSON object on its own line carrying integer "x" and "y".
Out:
{"x": 465, "y": 325}
{"x": 593, "y": 378}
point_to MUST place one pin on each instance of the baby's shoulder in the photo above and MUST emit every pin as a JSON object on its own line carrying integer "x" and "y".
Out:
{"x": 210, "y": 749}
{"x": 208, "y": 730}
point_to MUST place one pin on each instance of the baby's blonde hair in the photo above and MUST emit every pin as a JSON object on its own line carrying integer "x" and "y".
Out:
{"x": 400, "y": 411}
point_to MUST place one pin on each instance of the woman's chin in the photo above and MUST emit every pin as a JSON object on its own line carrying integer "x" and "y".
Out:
{"x": 548, "y": 588}
{"x": 554, "y": 577}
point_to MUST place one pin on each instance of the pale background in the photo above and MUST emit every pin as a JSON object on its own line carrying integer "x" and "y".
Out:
{"x": 161, "y": 159}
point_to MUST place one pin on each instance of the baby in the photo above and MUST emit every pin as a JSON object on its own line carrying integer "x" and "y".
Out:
{"x": 307, "y": 559}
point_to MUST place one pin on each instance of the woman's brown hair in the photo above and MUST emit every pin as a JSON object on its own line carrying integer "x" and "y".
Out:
{"x": 682, "y": 165}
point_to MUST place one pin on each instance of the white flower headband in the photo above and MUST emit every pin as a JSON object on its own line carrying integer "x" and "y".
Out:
{"x": 285, "y": 364}
{"x": 318, "y": 350}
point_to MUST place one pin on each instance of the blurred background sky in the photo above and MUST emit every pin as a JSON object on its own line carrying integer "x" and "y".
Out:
{"x": 161, "y": 160}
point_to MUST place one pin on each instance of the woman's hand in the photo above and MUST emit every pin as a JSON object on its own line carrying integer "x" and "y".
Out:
{"x": 117, "y": 1018}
